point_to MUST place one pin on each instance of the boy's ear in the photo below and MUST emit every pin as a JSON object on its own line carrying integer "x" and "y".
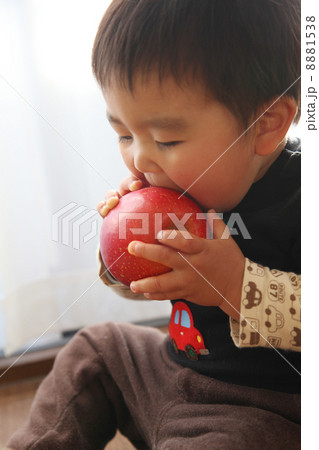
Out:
{"x": 273, "y": 124}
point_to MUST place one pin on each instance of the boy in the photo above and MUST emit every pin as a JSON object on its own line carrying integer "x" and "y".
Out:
{"x": 201, "y": 94}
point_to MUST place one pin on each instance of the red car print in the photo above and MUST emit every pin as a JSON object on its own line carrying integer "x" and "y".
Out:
{"x": 184, "y": 336}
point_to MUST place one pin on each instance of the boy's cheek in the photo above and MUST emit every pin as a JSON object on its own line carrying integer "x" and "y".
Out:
{"x": 129, "y": 162}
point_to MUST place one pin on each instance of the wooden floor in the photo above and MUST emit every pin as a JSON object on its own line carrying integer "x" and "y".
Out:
{"x": 15, "y": 402}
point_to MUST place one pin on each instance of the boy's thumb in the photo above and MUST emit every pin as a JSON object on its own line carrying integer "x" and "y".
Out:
{"x": 218, "y": 227}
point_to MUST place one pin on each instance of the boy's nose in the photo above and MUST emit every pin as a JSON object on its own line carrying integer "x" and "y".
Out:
{"x": 144, "y": 160}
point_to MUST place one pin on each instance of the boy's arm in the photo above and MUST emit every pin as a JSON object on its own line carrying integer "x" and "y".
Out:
{"x": 269, "y": 309}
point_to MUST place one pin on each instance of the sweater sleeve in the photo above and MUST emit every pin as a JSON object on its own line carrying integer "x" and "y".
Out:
{"x": 269, "y": 309}
{"x": 110, "y": 281}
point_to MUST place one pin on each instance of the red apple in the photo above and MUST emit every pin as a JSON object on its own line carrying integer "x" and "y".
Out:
{"x": 140, "y": 215}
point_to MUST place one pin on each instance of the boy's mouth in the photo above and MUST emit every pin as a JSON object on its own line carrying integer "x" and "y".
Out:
{"x": 168, "y": 185}
{"x": 149, "y": 181}
{"x": 160, "y": 180}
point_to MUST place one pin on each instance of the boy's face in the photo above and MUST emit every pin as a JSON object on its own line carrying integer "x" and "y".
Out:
{"x": 178, "y": 138}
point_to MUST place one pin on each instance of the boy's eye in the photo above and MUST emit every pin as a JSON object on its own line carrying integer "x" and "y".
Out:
{"x": 124, "y": 139}
{"x": 168, "y": 144}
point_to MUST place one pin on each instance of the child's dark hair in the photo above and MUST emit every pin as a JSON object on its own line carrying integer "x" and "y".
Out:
{"x": 243, "y": 52}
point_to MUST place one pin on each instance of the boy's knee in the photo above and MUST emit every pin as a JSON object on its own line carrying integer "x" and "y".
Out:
{"x": 81, "y": 359}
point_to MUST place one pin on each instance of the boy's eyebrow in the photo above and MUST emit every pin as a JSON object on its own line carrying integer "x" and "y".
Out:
{"x": 172, "y": 123}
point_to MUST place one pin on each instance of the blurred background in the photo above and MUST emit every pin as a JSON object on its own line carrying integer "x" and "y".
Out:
{"x": 58, "y": 156}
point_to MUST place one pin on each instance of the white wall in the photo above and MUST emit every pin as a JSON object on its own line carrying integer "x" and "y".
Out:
{"x": 56, "y": 148}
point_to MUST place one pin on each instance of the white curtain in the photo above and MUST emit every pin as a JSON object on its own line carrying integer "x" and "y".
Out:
{"x": 58, "y": 157}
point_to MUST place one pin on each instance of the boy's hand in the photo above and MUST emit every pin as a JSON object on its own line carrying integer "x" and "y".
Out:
{"x": 129, "y": 184}
{"x": 208, "y": 272}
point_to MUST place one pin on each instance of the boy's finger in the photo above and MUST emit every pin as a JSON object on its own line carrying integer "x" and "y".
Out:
{"x": 111, "y": 194}
{"x": 181, "y": 240}
{"x": 135, "y": 185}
{"x": 159, "y": 296}
{"x": 155, "y": 252}
{"x": 111, "y": 199}
{"x": 217, "y": 225}
{"x": 162, "y": 285}
{"x": 111, "y": 202}
{"x": 102, "y": 209}
{"x": 129, "y": 184}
